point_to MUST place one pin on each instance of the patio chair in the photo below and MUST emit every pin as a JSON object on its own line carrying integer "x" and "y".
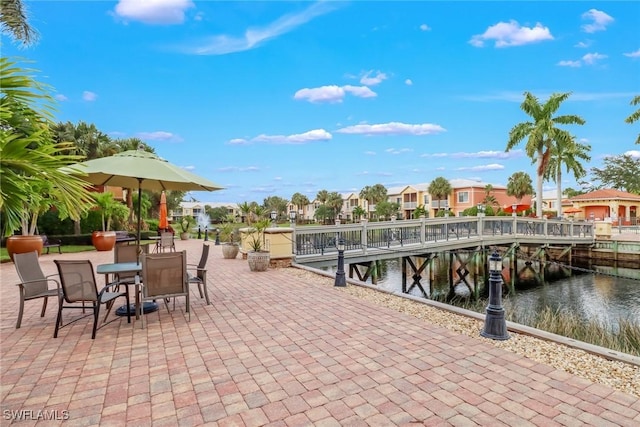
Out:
{"x": 33, "y": 283}
{"x": 79, "y": 286}
{"x": 200, "y": 277}
{"x": 164, "y": 276}
{"x": 127, "y": 253}
{"x": 166, "y": 242}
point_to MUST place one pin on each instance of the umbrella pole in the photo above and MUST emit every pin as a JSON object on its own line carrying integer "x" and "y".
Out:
{"x": 139, "y": 214}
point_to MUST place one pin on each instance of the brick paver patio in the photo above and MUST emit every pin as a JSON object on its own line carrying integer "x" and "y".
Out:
{"x": 275, "y": 350}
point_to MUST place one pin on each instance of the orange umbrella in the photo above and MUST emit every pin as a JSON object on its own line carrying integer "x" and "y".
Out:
{"x": 164, "y": 222}
{"x": 519, "y": 207}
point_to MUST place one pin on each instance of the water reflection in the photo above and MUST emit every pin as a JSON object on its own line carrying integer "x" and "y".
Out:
{"x": 589, "y": 296}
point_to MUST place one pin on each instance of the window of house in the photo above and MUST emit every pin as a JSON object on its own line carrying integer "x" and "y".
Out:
{"x": 463, "y": 197}
{"x": 426, "y": 199}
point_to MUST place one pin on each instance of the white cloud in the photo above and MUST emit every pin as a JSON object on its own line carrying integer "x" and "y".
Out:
{"x": 489, "y": 154}
{"x": 435, "y": 155}
{"x": 635, "y": 54}
{"x": 599, "y": 19}
{"x": 153, "y": 11}
{"x": 393, "y": 128}
{"x": 360, "y": 91}
{"x": 408, "y": 82}
{"x": 511, "y": 33}
{"x": 398, "y": 151}
{"x": 61, "y": 97}
{"x": 633, "y": 153}
{"x": 254, "y": 37}
{"x": 239, "y": 169}
{"x": 370, "y": 153}
{"x": 369, "y": 80}
{"x": 570, "y": 64}
{"x": 491, "y": 167}
{"x": 333, "y": 93}
{"x": 159, "y": 136}
{"x": 189, "y": 168}
{"x": 583, "y": 44}
{"x": 89, "y": 96}
{"x": 425, "y": 27}
{"x": 301, "y": 138}
{"x": 591, "y": 58}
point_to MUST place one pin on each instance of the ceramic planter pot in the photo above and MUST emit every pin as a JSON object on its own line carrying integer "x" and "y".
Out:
{"x": 230, "y": 250}
{"x": 103, "y": 240}
{"x": 258, "y": 261}
{"x": 23, "y": 244}
{"x": 184, "y": 235}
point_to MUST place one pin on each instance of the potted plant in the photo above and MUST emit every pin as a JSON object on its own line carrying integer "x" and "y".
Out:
{"x": 110, "y": 209}
{"x": 186, "y": 225}
{"x": 257, "y": 257}
{"x": 229, "y": 237}
{"x": 31, "y": 161}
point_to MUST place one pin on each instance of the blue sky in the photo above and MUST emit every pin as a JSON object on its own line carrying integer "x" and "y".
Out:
{"x": 273, "y": 98}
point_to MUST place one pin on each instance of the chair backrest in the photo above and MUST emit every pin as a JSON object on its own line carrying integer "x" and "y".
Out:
{"x": 164, "y": 274}
{"x": 128, "y": 253}
{"x": 77, "y": 280}
{"x": 166, "y": 239}
{"x": 28, "y": 268}
{"x": 203, "y": 260}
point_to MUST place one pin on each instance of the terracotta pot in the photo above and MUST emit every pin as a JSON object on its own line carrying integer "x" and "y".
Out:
{"x": 184, "y": 235}
{"x": 23, "y": 244}
{"x": 230, "y": 250}
{"x": 103, "y": 240}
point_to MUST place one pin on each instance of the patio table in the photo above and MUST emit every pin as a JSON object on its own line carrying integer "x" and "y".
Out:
{"x": 127, "y": 267}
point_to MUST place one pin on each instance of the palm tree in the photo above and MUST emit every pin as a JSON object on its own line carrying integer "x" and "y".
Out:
{"x": 13, "y": 20}
{"x": 519, "y": 185}
{"x": 245, "y": 210}
{"x": 440, "y": 189}
{"x": 489, "y": 199}
{"x": 373, "y": 194}
{"x": 567, "y": 155}
{"x": 358, "y": 212}
{"x": 334, "y": 202}
{"x": 635, "y": 116}
{"x": 542, "y": 133}
{"x": 322, "y": 196}
{"x": 300, "y": 200}
{"x": 30, "y": 164}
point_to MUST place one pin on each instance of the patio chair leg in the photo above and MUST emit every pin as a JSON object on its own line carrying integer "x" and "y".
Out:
{"x": 20, "y": 311}
{"x": 59, "y": 317}
{"x": 44, "y": 306}
{"x": 96, "y": 315}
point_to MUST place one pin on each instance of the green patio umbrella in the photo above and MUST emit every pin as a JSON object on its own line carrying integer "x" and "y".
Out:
{"x": 142, "y": 170}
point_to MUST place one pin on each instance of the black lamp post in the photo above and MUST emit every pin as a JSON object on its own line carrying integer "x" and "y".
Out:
{"x": 206, "y": 233}
{"x": 199, "y": 232}
{"x": 217, "y": 237}
{"x": 341, "y": 279}
{"x": 495, "y": 325}
{"x": 274, "y": 215}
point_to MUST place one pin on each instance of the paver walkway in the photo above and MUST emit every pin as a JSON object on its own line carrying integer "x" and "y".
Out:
{"x": 273, "y": 349}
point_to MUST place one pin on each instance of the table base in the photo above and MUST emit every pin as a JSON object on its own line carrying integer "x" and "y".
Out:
{"x": 147, "y": 307}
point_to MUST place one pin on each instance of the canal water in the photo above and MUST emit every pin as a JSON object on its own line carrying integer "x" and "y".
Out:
{"x": 589, "y": 292}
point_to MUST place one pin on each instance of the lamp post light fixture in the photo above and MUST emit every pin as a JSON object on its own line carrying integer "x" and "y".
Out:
{"x": 217, "y": 237}
{"x": 495, "y": 325}
{"x": 206, "y": 233}
{"x": 292, "y": 217}
{"x": 274, "y": 215}
{"x": 514, "y": 208}
{"x": 480, "y": 209}
{"x": 341, "y": 279}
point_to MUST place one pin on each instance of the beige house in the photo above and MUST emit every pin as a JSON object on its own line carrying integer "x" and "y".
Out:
{"x": 608, "y": 205}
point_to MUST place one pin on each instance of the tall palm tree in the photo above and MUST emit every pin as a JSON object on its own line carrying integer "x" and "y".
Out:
{"x": 300, "y": 200}
{"x": 440, "y": 188}
{"x": 635, "y": 116}
{"x": 489, "y": 199}
{"x": 568, "y": 155}
{"x": 373, "y": 194}
{"x": 245, "y": 211}
{"x": 14, "y": 22}
{"x": 519, "y": 185}
{"x": 542, "y": 133}
{"x": 322, "y": 196}
{"x": 334, "y": 201}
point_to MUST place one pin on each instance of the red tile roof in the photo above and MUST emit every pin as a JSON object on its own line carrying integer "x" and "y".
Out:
{"x": 606, "y": 194}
